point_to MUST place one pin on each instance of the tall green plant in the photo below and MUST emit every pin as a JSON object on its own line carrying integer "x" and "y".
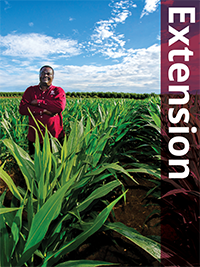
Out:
{"x": 61, "y": 204}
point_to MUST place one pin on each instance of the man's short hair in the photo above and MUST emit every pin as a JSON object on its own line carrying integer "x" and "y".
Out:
{"x": 47, "y": 66}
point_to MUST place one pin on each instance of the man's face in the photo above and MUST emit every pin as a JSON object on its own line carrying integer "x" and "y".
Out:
{"x": 46, "y": 76}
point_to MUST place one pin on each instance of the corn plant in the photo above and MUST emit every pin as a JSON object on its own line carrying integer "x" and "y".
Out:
{"x": 64, "y": 201}
{"x": 17, "y": 124}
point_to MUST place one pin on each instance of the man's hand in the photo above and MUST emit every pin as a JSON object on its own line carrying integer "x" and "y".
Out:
{"x": 34, "y": 102}
{"x": 47, "y": 112}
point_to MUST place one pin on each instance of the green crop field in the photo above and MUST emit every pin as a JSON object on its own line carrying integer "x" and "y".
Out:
{"x": 67, "y": 194}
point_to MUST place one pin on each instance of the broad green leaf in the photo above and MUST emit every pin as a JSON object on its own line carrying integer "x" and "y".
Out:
{"x": 38, "y": 127}
{"x": 84, "y": 263}
{"x": 5, "y": 244}
{"x": 8, "y": 217}
{"x": 45, "y": 164}
{"x": 111, "y": 166}
{"x": 156, "y": 119}
{"x": 53, "y": 257}
{"x": 41, "y": 221}
{"x": 148, "y": 171}
{"x": 101, "y": 143}
{"x": 97, "y": 194}
{"x": 147, "y": 244}
{"x": 17, "y": 225}
{"x": 8, "y": 180}
{"x": 30, "y": 212}
{"x": 23, "y": 160}
{"x": 6, "y": 210}
{"x": 37, "y": 157}
{"x": 120, "y": 136}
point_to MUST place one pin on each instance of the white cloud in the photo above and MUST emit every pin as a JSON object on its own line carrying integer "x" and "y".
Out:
{"x": 102, "y": 32}
{"x": 37, "y": 45}
{"x": 138, "y": 72}
{"x": 105, "y": 39}
{"x": 7, "y": 5}
{"x": 122, "y": 16}
{"x": 133, "y": 70}
{"x": 150, "y": 7}
{"x": 31, "y": 24}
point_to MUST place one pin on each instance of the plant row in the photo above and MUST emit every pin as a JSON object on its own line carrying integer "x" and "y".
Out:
{"x": 68, "y": 190}
{"x": 90, "y": 94}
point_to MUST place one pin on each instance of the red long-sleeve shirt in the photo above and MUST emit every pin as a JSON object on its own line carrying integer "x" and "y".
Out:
{"x": 53, "y": 100}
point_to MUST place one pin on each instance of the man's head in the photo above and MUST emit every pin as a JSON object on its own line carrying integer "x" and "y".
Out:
{"x": 46, "y": 75}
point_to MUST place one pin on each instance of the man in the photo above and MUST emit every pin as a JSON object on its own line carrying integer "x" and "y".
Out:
{"x": 46, "y": 102}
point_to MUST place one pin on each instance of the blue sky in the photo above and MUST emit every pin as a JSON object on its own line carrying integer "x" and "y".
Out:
{"x": 92, "y": 45}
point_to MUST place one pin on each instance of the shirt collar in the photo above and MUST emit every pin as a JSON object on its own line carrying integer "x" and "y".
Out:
{"x": 49, "y": 88}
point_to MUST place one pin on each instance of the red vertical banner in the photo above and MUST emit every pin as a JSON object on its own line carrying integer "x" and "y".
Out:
{"x": 180, "y": 128}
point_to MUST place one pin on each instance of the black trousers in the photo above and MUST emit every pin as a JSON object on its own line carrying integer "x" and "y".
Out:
{"x": 31, "y": 146}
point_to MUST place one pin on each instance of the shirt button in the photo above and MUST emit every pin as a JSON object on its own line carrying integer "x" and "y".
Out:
{"x": 43, "y": 97}
{"x": 40, "y": 116}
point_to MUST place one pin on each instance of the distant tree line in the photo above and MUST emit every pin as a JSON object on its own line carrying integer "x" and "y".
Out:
{"x": 11, "y": 94}
{"x": 90, "y": 94}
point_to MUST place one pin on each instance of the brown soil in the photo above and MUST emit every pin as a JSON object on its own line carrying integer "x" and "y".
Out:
{"x": 133, "y": 214}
